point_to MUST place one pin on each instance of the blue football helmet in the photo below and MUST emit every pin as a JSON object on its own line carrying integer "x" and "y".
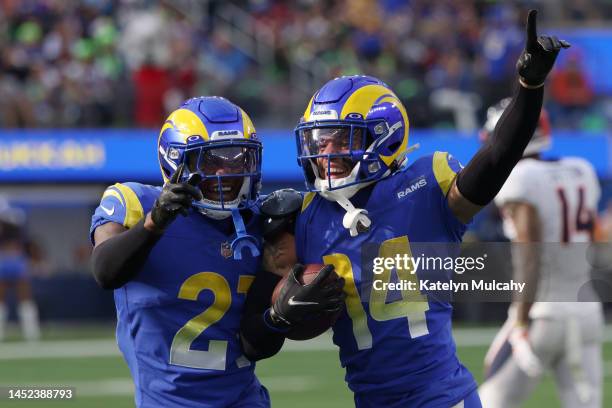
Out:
{"x": 216, "y": 140}
{"x": 354, "y": 131}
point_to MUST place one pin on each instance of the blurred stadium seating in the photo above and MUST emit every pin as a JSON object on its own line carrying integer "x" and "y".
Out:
{"x": 127, "y": 63}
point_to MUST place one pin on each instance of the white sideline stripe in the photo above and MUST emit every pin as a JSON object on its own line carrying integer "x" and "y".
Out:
{"x": 471, "y": 337}
{"x": 58, "y": 349}
{"x": 105, "y": 387}
{"x": 464, "y": 337}
{"x": 290, "y": 383}
{"x": 125, "y": 386}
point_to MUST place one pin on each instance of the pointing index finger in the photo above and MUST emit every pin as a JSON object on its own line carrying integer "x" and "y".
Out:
{"x": 532, "y": 31}
{"x": 177, "y": 174}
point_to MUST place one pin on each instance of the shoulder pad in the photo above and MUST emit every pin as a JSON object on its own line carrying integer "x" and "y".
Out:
{"x": 279, "y": 210}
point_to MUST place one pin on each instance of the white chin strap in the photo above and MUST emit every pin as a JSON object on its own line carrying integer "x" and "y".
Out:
{"x": 353, "y": 217}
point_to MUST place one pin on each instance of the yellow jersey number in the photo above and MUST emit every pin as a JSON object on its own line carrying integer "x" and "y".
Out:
{"x": 412, "y": 306}
{"x": 180, "y": 350}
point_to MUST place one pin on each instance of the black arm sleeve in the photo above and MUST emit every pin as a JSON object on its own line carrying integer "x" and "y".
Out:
{"x": 258, "y": 337}
{"x": 118, "y": 260}
{"x": 488, "y": 170}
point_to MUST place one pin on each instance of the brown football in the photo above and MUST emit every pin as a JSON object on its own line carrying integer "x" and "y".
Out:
{"x": 309, "y": 328}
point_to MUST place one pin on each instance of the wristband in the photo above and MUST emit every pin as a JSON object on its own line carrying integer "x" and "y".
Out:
{"x": 527, "y": 86}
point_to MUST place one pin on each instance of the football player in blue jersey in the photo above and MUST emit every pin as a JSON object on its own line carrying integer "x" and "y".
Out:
{"x": 181, "y": 283}
{"x": 365, "y": 198}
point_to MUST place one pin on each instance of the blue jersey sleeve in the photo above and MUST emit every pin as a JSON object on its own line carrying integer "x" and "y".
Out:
{"x": 445, "y": 169}
{"x": 120, "y": 203}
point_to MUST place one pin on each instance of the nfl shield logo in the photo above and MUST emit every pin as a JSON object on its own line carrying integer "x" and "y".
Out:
{"x": 226, "y": 249}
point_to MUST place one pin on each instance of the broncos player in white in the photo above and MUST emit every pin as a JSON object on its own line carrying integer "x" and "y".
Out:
{"x": 549, "y": 209}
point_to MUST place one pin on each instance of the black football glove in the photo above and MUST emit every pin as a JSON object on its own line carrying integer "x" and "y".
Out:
{"x": 296, "y": 301}
{"x": 175, "y": 199}
{"x": 539, "y": 54}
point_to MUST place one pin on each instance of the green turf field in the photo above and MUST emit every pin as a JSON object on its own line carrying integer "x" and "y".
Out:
{"x": 86, "y": 358}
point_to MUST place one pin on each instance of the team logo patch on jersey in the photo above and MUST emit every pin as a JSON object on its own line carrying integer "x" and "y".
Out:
{"x": 412, "y": 186}
{"x": 226, "y": 250}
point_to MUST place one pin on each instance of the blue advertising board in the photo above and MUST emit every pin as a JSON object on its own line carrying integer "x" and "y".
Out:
{"x": 69, "y": 156}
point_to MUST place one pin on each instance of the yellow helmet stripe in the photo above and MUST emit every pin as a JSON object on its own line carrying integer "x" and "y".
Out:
{"x": 308, "y": 108}
{"x": 247, "y": 125}
{"x": 186, "y": 123}
{"x": 389, "y": 159}
{"x": 362, "y": 99}
{"x": 361, "y": 102}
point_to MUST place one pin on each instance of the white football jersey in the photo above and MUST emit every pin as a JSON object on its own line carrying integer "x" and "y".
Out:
{"x": 565, "y": 194}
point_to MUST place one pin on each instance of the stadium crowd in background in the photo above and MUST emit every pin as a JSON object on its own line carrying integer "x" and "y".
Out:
{"x": 127, "y": 62}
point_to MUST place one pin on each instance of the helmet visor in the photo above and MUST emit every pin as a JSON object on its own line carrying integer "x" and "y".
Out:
{"x": 331, "y": 140}
{"x": 220, "y": 161}
{"x": 224, "y": 171}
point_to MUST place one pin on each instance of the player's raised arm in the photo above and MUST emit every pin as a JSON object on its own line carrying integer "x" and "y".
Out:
{"x": 120, "y": 253}
{"x": 486, "y": 173}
